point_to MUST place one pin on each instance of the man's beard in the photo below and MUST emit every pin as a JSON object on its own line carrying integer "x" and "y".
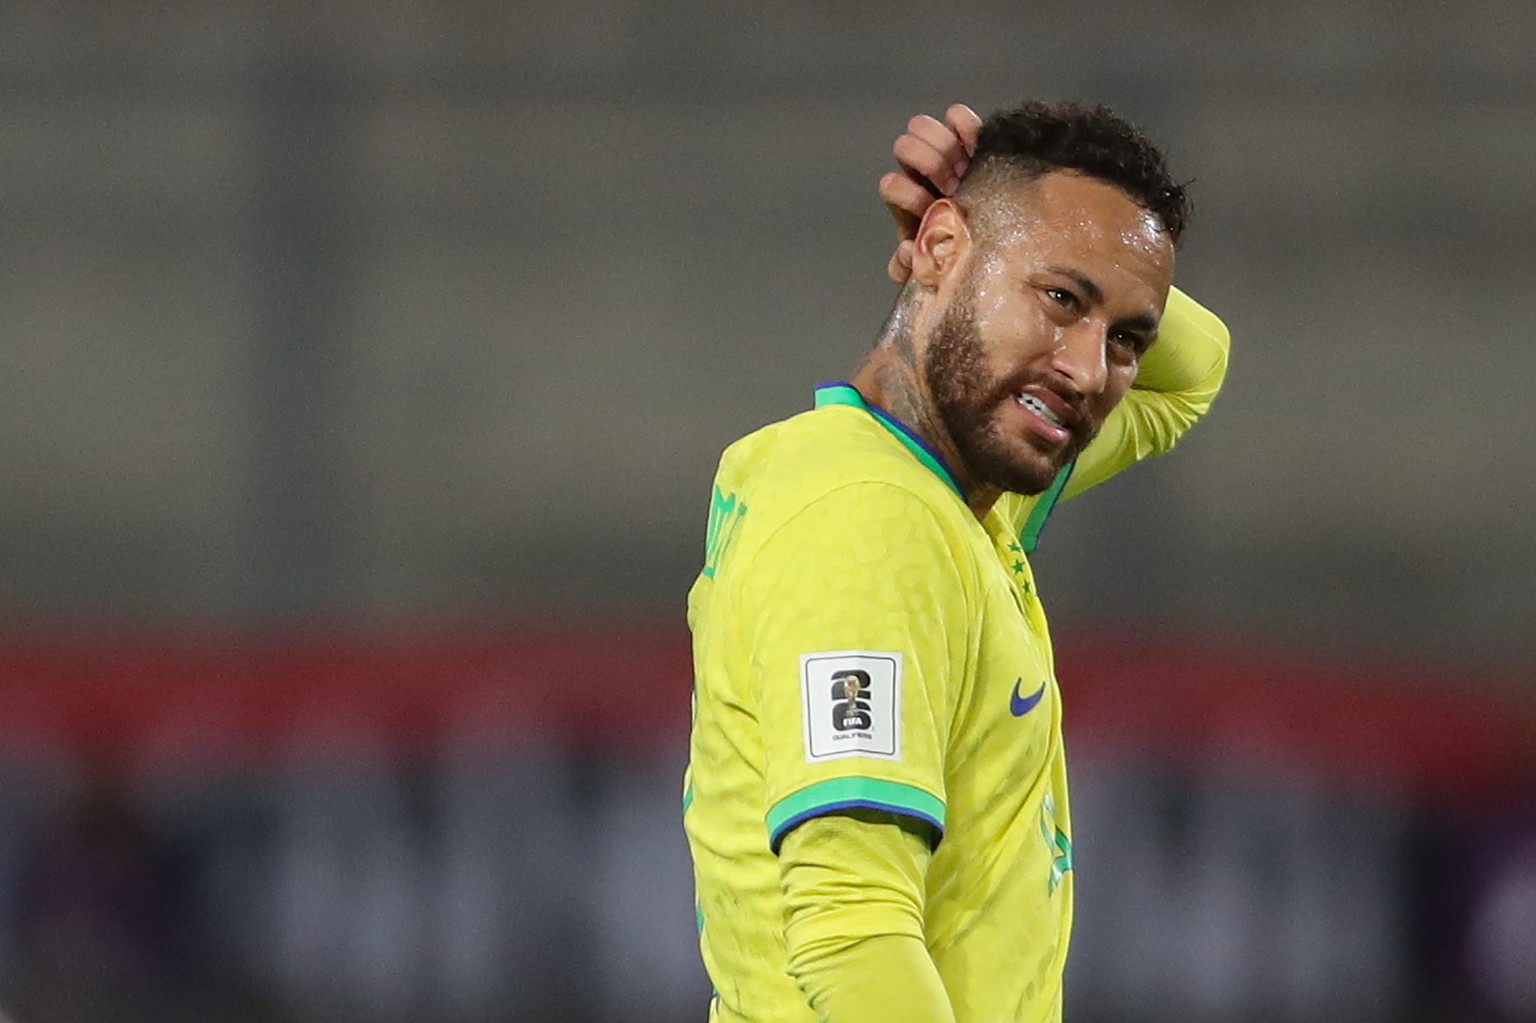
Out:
{"x": 968, "y": 402}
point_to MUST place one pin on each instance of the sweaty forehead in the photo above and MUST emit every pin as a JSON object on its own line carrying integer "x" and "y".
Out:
{"x": 1072, "y": 216}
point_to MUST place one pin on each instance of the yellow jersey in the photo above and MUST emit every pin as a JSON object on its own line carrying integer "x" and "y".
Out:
{"x": 861, "y": 640}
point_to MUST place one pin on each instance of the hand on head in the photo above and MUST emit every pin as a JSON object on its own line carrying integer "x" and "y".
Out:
{"x": 933, "y": 155}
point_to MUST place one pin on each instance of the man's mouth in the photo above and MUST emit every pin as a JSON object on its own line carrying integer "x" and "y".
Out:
{"x": 1040, "y": 409}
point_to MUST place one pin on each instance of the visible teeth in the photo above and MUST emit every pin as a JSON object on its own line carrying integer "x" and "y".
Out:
{"x": 1040, "y": 409}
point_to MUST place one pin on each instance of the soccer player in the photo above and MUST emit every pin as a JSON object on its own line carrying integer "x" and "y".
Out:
{"x": 876, "y": 799}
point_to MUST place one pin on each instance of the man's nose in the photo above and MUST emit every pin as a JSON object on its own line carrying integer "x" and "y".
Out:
{"x": 1080, "y": 357}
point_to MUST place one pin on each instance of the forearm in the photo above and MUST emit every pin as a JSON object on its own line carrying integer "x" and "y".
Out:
{"x": 1178, "y": 380}
{"x": 1190, "y": 357}
{"x": 889, "y": 978}
{"x": 853, "y": 925}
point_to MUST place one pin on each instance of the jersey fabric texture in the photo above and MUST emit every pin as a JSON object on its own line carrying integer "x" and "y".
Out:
{"x": 861, "y": 640}
{"x": 846, "y": 553}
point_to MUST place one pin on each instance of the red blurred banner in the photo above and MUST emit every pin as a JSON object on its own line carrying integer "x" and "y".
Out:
{"x": 618, "y": 686}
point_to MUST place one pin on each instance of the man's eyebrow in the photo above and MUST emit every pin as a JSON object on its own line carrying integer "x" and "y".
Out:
{"x": 1082, "y": 280}
{"x": 1144, "y": 323}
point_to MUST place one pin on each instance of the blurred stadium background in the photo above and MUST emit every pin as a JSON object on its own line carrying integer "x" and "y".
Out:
{"x": 365, "y": 368}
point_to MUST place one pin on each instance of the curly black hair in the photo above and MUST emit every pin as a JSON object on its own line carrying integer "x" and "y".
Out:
{"x": 1035, "y": 138}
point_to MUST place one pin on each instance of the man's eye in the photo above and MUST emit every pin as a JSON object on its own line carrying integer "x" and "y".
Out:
{"x": 1062, "y": 297}
{"x": 1137, "y": 344}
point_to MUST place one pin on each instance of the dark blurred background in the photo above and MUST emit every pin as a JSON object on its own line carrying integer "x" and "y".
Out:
{"x": 365, "y": 366}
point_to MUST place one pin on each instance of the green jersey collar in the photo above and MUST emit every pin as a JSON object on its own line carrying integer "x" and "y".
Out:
{"x": 840, "y": 393}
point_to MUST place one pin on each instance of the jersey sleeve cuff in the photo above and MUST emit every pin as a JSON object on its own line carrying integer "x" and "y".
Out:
{"x": 836, "y": 794}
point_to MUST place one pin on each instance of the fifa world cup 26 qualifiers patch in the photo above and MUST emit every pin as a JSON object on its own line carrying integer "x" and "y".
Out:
{"x": 852, "y": 701}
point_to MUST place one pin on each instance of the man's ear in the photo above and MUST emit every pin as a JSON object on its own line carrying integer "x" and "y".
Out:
{"x": 943, "y": 241}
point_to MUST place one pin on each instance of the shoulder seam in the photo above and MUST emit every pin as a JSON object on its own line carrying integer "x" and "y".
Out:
{"x": 801, "y": 509}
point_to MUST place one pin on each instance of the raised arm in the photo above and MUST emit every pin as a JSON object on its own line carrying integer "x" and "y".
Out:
{"x": 1175, "y": 385}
